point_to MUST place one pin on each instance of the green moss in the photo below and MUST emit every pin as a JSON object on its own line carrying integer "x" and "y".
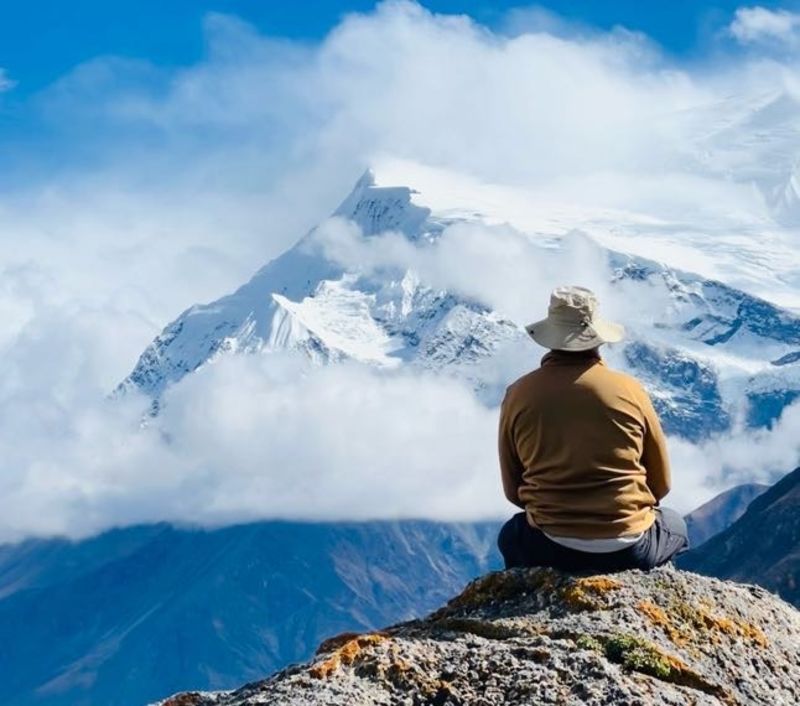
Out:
{"x": 639, "y": 655}
{"x": 587, "y": 642}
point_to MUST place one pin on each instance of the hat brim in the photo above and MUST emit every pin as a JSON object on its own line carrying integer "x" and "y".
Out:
{"x": 564, "y": 337}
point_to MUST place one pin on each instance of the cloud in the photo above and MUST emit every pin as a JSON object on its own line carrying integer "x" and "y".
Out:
{"x": 536, "y": 19}
{"x": 137, "y": 190}
{"x": 742, "y": 456}
{"x": 498, "y": 266}
{"x": 6, "y": 82}
{"x": 759, "y": 25}
{"x": 254, "y": 437}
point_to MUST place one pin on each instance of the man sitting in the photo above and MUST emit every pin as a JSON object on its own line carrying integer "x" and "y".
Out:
{"x": 583, "y": 454}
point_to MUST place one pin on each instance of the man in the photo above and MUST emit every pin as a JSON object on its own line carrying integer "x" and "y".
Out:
{"x": 583, "y": 454}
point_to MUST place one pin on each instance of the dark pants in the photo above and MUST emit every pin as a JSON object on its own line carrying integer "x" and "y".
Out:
{"x": 522, "y": 545}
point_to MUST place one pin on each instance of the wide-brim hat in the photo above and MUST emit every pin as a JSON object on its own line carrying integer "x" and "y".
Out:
{"x": 572, "y": 322}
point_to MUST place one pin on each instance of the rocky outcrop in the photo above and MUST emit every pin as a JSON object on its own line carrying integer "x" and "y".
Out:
{"x": 541, "y": 637}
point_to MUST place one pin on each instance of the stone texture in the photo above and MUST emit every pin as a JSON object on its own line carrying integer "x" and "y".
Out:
{"x": 541, "y": 637}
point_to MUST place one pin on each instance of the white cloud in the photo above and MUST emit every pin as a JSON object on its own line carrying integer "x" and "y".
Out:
{"x": 496, "y": 265}
{"x": 742, "y": 456}
{"x": 160, "y": 187}
{"x": 255, "y": 437}
{"x": 757, "y": 25}
{"x": 6, "y": 82}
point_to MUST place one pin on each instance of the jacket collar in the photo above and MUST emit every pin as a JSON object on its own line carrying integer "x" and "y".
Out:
{"x": 584, "y": 358}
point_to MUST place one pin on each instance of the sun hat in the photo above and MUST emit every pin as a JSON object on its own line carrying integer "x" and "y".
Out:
{"x": 572, "y": 323}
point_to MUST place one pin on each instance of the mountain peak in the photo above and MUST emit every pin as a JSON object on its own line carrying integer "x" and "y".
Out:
{"x": 381, "y": 202}
{"x": 540, "y": 636}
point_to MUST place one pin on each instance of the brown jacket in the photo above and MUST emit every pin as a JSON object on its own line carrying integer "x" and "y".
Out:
{"x": 581, "y": 449}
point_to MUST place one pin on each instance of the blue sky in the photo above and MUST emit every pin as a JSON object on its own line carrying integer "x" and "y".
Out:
{"x": 41, "y": 40}
{"x": 45, "y": 126}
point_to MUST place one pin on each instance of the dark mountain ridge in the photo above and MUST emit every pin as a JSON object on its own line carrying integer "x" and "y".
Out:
{"x": 721, "y": 512}
{"x": 762, "y": 546}
{"x": 126, "y": 617}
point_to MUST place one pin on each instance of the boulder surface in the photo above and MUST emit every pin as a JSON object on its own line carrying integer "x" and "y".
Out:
{"x": 538, "y": 636}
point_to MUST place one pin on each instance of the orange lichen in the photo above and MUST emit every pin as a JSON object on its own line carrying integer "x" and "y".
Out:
{"x": 654, "y": 613}
{"x": 397, "y": 668}
{"x": 345, "y": 655}
{"x": 732, "y": 628}
{"x": 658, "y": 617}
{"x": 500, "y": 586}
{"x": 335, "y": 642}
{"x": 687, "y": 623}
{"x": 599, "y": 584}
{"x": 581, "y": 594}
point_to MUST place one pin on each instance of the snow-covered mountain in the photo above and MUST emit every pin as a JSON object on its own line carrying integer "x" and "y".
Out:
{"x": 305, "y": 301}
{"x": 712, "y": 354}
{"x": 753, "y": 140}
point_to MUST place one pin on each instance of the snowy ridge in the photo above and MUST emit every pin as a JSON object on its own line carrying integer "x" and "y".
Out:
{"x": 303, "y": 301}
{"x": 710, "y": 358}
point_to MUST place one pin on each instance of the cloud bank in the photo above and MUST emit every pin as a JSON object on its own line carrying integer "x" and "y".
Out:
{"x": 757, "y": 25}
{"x": 139, "y": 190}
{"x": 255, "y": 437}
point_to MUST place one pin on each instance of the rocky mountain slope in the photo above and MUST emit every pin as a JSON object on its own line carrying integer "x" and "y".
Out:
{"x": 721, "y": 512}
{"x": 762, "y": 546}
{"x": 540, "y": 637}
{"x": 136, "y": 613}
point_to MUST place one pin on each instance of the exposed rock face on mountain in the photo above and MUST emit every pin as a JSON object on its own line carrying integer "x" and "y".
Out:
{"x": 721, "y": 512}
{"x": 540, "y": 637}
{"x": 763, "y": 545}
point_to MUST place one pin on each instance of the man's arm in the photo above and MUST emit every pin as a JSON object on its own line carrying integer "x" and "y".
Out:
{"x": 510, "y": 466}
{"x": 654, "y": 457}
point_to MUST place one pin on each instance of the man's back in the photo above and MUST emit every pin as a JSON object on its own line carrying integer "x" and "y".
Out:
{"x": 581, "y": 449}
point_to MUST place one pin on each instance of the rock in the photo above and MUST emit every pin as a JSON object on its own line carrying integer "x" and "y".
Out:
{"x": 538, "y": 636}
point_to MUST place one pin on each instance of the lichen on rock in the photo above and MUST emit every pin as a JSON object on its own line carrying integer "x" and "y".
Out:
{"x": 538, "y": 636}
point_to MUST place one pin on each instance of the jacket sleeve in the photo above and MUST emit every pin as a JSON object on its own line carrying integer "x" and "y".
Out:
{"x": 654, "y": 456}
{"x": 510, "y": 466}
